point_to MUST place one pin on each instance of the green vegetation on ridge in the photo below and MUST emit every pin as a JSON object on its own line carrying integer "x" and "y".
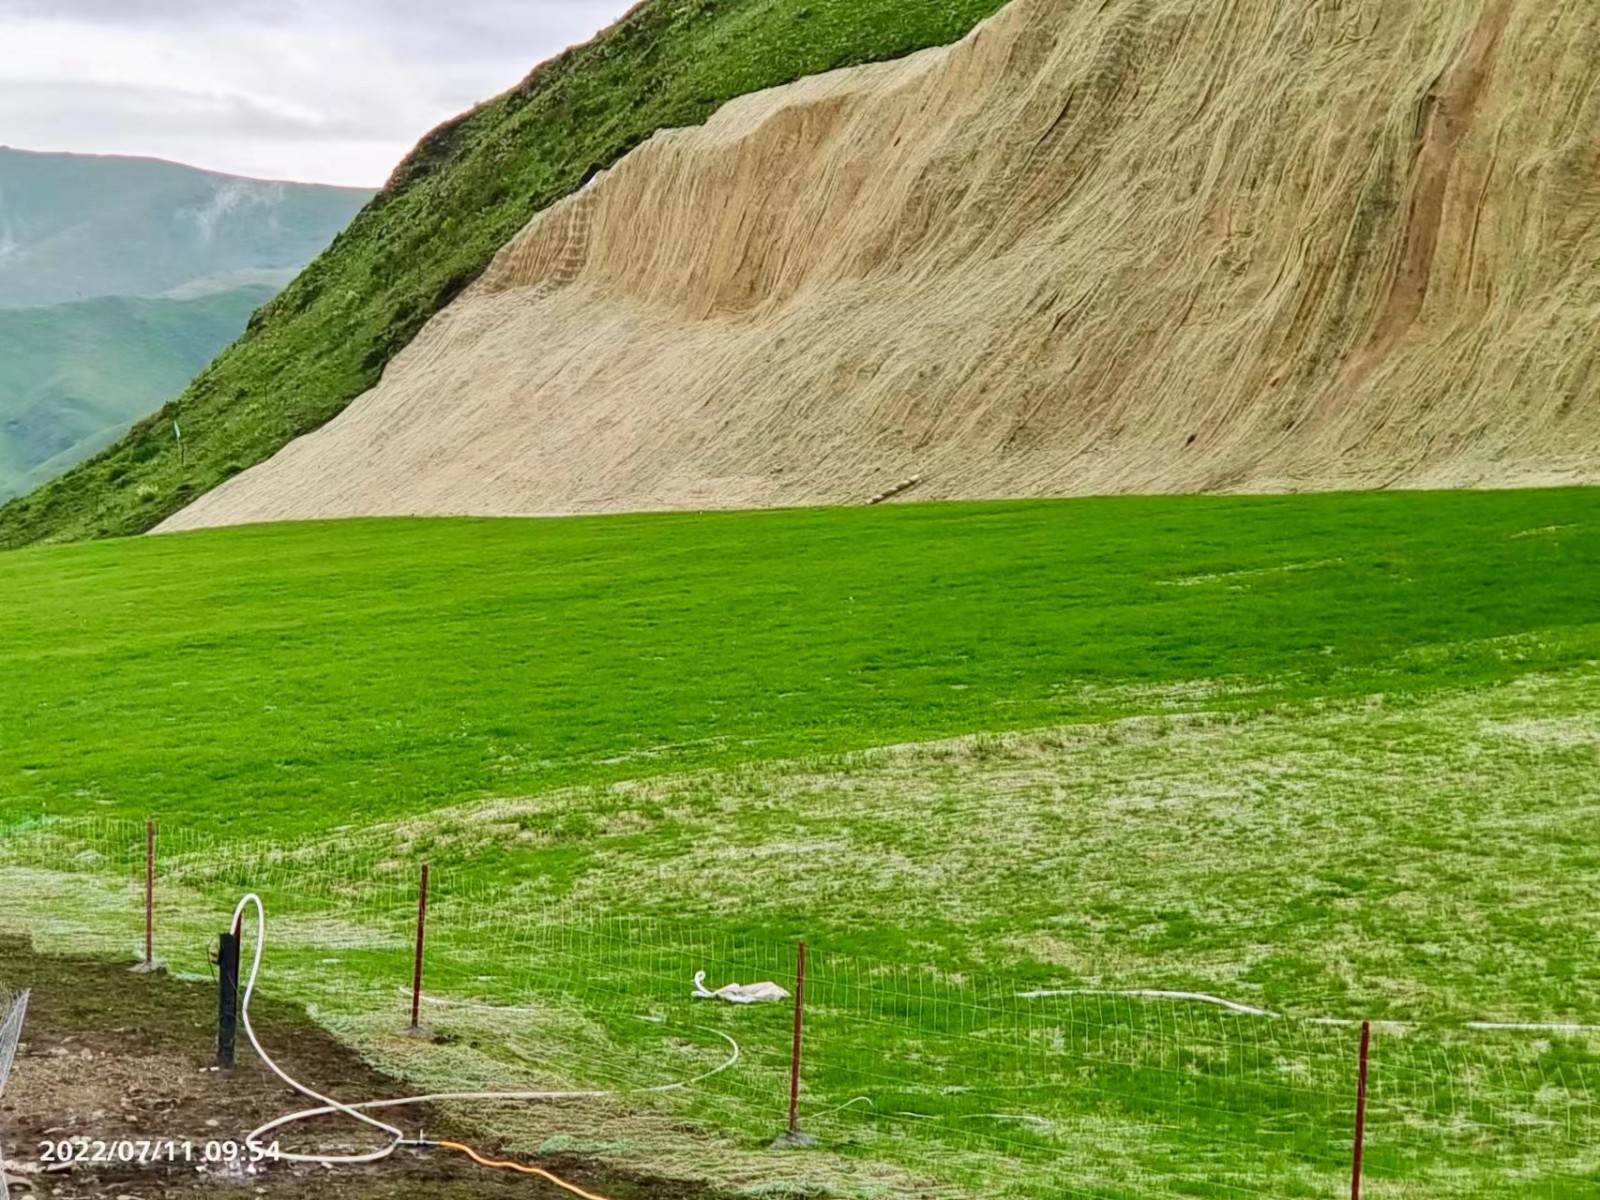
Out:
{"x": 463, "y": 193}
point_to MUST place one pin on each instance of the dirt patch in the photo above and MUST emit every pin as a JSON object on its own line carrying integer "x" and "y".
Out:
{"x": 111, "y": 1055}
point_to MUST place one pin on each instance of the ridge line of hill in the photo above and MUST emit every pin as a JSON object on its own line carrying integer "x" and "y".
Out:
{"x": 156, "y": 160}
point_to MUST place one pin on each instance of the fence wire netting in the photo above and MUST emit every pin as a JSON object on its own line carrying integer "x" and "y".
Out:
{"x": 916, "y": 1075}
{"x": 13, "y": 1010}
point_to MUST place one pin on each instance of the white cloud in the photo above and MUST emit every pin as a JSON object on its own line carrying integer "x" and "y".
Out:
{"x": 333, "y": 91}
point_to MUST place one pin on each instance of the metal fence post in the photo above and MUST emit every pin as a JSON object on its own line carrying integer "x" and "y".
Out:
{"x": 227, "y": 997}
{"x": 149, "y": 894}
{"x": 793, "y": 1136}
{"x": 799, "y": 1030}
{"x": 1361, "y": 1111}
{"x": 416, "y": 973}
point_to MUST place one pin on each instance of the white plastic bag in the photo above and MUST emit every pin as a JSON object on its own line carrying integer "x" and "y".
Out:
{"x": 738, "y": 993}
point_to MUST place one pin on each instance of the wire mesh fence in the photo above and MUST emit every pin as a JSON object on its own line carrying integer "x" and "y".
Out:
{"x": 927, "y": 1077}
{"x": 13, "y": 1010}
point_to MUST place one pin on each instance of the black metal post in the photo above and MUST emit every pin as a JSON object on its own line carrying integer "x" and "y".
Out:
{"x": 416, "y": 974}
{"x": 227, "y": 998}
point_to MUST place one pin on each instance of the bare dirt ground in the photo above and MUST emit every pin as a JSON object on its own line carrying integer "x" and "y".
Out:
{"x": 111, "y": 1055}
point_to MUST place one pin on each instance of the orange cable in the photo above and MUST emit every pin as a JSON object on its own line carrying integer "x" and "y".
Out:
{"x": 512, "y": 1166}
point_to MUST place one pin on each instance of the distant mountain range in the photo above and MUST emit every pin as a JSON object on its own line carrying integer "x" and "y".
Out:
{"x": 73, "y": 227}
{"x": 120, "y": 278}
{"x": 73, "y": 377}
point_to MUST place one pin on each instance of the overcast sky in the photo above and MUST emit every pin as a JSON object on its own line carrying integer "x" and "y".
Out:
{"x": 332, "y": 91}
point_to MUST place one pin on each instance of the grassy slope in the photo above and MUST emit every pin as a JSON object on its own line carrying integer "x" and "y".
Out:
{"x": 1275, "y": 833}
{"x": 304, "y": 672}
{"x": 77, "y": 374}
{"x": 463, "y": 193}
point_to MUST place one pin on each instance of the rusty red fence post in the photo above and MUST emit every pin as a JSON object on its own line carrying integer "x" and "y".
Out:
{"x": 149, "y": 893}
{"x": 1361, "y": 1110}
{"x": 799, "y": 1027}
{"x": 416, "y": 974}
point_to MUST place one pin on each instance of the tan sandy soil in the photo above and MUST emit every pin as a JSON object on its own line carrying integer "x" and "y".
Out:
{"x": 1144, "y": 245}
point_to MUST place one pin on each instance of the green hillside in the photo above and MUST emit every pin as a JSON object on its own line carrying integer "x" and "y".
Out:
{"x": 76, "y": 226}
{"x": 1330, "y": 755}
{"x": 460, "y": 196}
{"x": 75, "y": 376}
{"x": 383, "y": 666}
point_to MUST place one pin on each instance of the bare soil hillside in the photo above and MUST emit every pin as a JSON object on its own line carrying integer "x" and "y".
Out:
{"x": 1138, "y": 245}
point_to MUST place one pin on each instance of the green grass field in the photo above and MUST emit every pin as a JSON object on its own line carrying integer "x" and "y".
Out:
{"x": 1331, "y": 756}
{"x": 386, "y": 668}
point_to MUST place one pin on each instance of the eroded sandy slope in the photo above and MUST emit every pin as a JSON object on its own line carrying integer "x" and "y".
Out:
{"x": 1140, "y": 245}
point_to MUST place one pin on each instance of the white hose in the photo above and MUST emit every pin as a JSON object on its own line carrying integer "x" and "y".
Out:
{"x": 1152, "y": 994}
{"x": 1342, "y": 1022}
{"x": 330, "y": 1106}
{"x": 441, "y": 1002}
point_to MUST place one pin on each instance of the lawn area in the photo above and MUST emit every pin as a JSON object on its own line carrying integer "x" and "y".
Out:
{"x": 1331, "y": 758}
{"x": 309, "y": 675}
